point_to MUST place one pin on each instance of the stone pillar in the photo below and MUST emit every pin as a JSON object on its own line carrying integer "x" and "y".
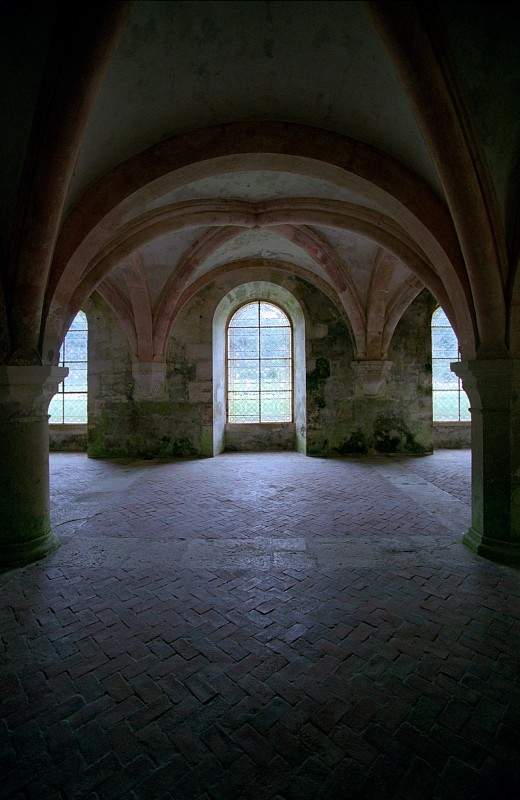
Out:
{"x": 25, "y": 530}
{"x": 493, "y": 387}
{"x": 371, "y": 377}
{"x": 149, "y": 380}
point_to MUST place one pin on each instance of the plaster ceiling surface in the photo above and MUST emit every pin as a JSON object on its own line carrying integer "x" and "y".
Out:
{"x": 259, "y": 185}
{"x": 356, "y": 253}
{"x": 180, "y": 66}
{"x": 259, "y": 243}
{"x": 161, "y": 256}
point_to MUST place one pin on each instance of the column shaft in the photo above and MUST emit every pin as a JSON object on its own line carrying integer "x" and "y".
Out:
{"x": 25, "y": 530}
{"x": 492, "y": 386}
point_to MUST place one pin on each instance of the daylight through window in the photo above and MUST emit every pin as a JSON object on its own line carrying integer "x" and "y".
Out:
{"x": 69, "y": 406}
{"x": 259, "y": 364}
{"x": 450, "y": 401}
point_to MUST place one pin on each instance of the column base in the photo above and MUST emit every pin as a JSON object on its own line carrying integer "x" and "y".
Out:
{"x": 501, "y": 550}
{"x": 18, "y": 554}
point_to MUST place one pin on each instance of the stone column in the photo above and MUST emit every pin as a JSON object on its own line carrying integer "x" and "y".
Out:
{"x": 493, "y": 388}
{"x": 25, "y": 530}
{"x": 149, "y": 380}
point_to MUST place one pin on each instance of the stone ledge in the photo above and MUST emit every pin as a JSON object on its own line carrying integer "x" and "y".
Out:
{"x": 68, "y": 427}
{"x": 260, "y": 436}
{"x": 451, "y": 434}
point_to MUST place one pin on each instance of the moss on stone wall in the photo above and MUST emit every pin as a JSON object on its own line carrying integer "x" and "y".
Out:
{"x": 316, "y": 382}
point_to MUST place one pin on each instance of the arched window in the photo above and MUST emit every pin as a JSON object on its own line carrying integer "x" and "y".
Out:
{"x": 69, "y": 406}
{"x": 450, "y": 401}
{"x": 259, "y": 364}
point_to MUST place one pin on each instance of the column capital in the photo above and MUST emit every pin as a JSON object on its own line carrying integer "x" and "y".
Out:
{"x": 371, "y": 376}
{"x": 149, "y": 380}
{"x": 26, "y": 391}
{"x": 489, "y": 382}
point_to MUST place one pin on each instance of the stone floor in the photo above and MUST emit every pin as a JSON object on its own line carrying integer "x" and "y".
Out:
{"x": 260, "y": 626}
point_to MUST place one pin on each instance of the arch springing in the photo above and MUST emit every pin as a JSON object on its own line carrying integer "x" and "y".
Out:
{"x": 450, "y": 401}
{"x": 259, "y": 365}
{"x": 69, "y": 405}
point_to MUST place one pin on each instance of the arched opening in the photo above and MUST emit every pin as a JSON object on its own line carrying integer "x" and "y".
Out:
{"x": 451, "y": 411}
{"x": 69, "y": 405}
{"x": 68, "y": 409}
{"x": 259, "y": 365}
{"x": 259, "y": 383}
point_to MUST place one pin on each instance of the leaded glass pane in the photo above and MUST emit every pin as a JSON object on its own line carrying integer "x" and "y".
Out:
{"x": 272, "y": 315}
{"x": 275, "y": 342}
{"x": 243, "y": 343}
{"x": 276, "y": 407}
{"x": 446, "y": 406}
{"x": 439, "y": 319}
{"x": 449, "y": 400}
{"x": 69, "y": 406}
{"x": 259, "y": 370}
{"x": 79, "y": 323}
{"x": 75, "y": 346}
{"x": 276, "y": 374}
{"x": 444, "y": 344}
{"x": 244, "y": 376}
{"x": 442, "y": 376}
{"x": 75, "y": 407}
{"x": 247, "y": 316}
{"x": 56, "y": 409}
{"x": 244, "y": 407}
{"x": 465, "y": 413}
{"x": 76, "y": 380}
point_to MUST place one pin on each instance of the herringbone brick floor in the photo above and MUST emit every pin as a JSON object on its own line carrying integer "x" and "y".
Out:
{"x": 260, "y": 626}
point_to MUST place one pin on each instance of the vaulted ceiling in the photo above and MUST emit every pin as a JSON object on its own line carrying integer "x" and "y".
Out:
{"x": 272, "y": 132}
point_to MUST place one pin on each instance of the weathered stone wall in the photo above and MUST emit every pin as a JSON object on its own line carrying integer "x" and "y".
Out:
{"x": 456, "y": 435}
{"x": 339, "y": 421}
{"x": 399, "y": 419}
{"x": 268, "y": 436}
{"x": 68, "y": 438}
{"x": 118, "y": 424}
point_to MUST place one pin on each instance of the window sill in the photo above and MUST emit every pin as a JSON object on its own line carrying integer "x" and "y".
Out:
{"x": 261, "y": 425}
{"x": 68, "y": 427}
{"x": 463, "y": 423}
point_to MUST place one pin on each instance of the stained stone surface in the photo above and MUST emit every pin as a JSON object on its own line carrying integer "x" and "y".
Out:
{"x": 260, "y": 626}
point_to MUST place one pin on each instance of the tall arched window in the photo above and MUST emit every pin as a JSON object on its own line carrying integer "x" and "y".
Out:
{"x": 450, "y": 401}
{"x": 69, "y": 405}
{"x": 259, "y": 364}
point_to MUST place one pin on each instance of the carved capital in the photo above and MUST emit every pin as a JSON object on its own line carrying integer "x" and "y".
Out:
{"x": 371, "y": 377}
{"x": 490, "y": 384}
{"x": 26, "y": 391}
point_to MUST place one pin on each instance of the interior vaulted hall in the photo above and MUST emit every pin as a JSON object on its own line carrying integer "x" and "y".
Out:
{"x": 259, "y": 298}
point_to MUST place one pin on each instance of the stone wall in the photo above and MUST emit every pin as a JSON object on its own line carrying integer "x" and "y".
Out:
{"x": 68, "y": 438}
{"x": 268, "y": 436}
{"x": 119, "y": 424}
{"x": 338, "y": 420}
{"x": 399, "y": 418}
{"x": 455, "y": 435}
